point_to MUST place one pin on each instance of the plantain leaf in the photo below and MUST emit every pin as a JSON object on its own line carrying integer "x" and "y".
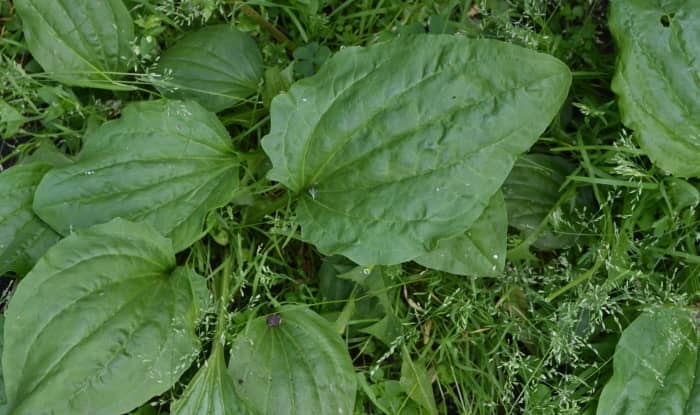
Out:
{"x": 531, "y": 191}
{"x": 480, "y": 251}
{"x": 79, "y": 42}
{"x": 392, "y": 151}
{"x": 3, "y": 398}
{"x": 103, "y": 322}
{"x": 656, "y": 367}
{"x": 415, "y": 382}
{"x": 657, "y": 78}
{"x": 217, "y": 66}
{"x": 210, "y": 392}
{"x": 293, "y": 362}
{"x": 23, "y": 236}
{"x": 167, "y": 163}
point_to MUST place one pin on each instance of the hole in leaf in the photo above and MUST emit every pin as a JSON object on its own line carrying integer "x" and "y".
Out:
{"x": 666, "y": 19}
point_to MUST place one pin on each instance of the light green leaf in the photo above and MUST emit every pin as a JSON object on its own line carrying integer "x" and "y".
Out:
{"x": 218, "y": 66}
{"x": 655, "y": 367}
{"x": 531, "y": 191}
{"x": 657, "y": 78}
{"x": 79, "y": 42}
{"x": 47, "y": 153}
{"x": 167, "y": 163}
{"x": 415, "y": 382}
{"x": 300, "y": 366}
{"x": 11, "y": 120}
{"x": 103, "y": 322}
{"x": 392, "y": 151}
{"x": 23, "y": 236}
{"x": 480, "y": 251}
{"x": 210, "y": 392}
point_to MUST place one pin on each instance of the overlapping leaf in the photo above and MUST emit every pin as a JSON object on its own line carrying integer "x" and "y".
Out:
{"x": 480, "y": 251}
{"x": 531, "y": 191}
{"x": 79, "y": 42}
{"x": 167, "y": 163}
{"x": 392, "y": 151}
{"x": 657, "y": 78}
{"x": 656, "y": 367}
{"x": 295, "y": 365}
{"x": 217, "y": 66}
{"x": 210, "y": 391}
{"x": 415, "y": 382}
{"x": 103, "y": 322}
{"x": 23, "y": 236}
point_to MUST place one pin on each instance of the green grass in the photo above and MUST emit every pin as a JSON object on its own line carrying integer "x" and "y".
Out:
{"x": 537, "y": 340}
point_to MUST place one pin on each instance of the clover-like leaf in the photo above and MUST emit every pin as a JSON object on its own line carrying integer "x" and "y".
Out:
{"x": 218, "y": 66}
{"x": 657, "y": 78}
{"x": 293, "y": 362}
{"x": 101, "y": 324}
{"x": 398, "y": 145}
{"x": 79, "y": 42}
{"x": 167, "y": 163}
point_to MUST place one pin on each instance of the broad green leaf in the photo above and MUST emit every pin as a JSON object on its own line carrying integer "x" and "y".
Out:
{"x": 391, "y": 151}
{"x": 210, "y": 392}
{"x": 655, "y": 367}
{"x": 217, "y": 66}
{"x": 299, "y": 366}
{"x": 393, "y": 399}
{"x": 103, "y": 322}
{"x": 3, "y": 398}
{"x": 480, "y": 251}
{"x": 167, "y": 163}
{"x": 330, "y": 286}
{"x": 531, "y": 191}
{"x": 79, "y": 42}
{"x": 48, "y": 153}
{"x": 657, "y": 78}
{"x": 23, "y": 236}
{"x": 415, "y": 382}
{"x": 386, "y": 330}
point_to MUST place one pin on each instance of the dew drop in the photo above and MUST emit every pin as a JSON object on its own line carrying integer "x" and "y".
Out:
{"x": 437, "y": 189}
{"x": 304, "y": 100}
{"x": 493, "y": 268}
{"x": 89, "y": 172}
{"x": 495, "y": 256}
{"x": 313, "y": 192}
{"x": 365, "y": 271}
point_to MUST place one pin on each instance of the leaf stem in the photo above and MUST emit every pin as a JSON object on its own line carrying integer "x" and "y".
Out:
{"x": 581, "y": 278}
{"x": 275, "y": 32}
